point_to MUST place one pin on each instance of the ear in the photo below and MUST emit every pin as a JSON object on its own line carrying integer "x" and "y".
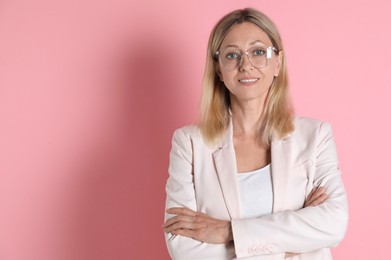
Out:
{"x": 279, "y": 63}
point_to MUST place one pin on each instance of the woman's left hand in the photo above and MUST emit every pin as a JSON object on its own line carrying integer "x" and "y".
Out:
{"x": 316, "y": 197}
{"x": 198, "y": 226}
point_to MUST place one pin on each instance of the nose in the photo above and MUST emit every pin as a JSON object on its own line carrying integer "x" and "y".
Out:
{"x": 245, "y": 63}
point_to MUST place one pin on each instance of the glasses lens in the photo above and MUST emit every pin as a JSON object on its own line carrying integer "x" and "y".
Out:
{"x": 258, "y": 56}
{"x": 231, "y": 58}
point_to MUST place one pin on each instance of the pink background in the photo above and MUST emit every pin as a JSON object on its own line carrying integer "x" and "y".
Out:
{"x": 91, "y": 91}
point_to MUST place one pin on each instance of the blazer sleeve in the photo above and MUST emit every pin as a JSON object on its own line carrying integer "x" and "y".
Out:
{"x": 306, "y": 229}
{"x": 181, "y": 193}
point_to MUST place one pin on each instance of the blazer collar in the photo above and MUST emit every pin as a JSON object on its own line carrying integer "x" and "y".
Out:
{"x": 226, "y": 167}
{"x": 225, "y": 163}
{"x": 281, "y": 161}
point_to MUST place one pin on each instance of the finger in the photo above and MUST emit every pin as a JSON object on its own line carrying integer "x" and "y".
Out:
{"x": 319, "y": 192}
{"x": 183, "y": 219}
{"x": 174, "y": 222}
{"x": 185, "y": 225}
{"x": 315, "y": 193}
{"x": 176, "y": 219}
{"x": 319, "y": 200}
{"x": 182, "y": 211}
{"x": 309, "y": 199}
{"x": 197, "y": 234}
{"x": 186, "y": 233}
{"x": 312, "y": 192}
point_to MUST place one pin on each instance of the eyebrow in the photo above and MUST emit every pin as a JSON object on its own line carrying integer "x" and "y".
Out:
{"x": 251, "y": 44}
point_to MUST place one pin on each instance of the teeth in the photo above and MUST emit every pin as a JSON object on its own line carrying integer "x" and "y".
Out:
{"x": 248, "y": 80}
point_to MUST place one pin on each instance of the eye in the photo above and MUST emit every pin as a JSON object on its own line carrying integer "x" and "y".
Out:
{"x": 258, "y": 52}
{"x": 232, "y": 56}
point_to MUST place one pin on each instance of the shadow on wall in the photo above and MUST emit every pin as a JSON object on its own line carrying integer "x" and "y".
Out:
{"x": 121, "y": 196}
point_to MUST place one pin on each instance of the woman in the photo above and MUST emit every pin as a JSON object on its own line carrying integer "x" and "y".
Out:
{"x": 250, "y": 180}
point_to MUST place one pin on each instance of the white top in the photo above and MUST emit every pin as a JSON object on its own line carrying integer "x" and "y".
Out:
{"x": 256, "y": 193}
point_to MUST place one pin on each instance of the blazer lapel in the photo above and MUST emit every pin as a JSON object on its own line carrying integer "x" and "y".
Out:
{"x": 281, "y": 162}
{"x": 225, "y": 163}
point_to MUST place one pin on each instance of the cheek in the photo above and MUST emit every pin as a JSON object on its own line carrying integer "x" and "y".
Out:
{"x": 272, "y": 71}
{"x": 268, "y": 75}
{"x": 227, "y": 78}
{"x": 267, "y": 81}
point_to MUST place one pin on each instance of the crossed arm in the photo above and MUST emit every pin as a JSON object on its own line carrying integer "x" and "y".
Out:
{"x": 204, "y": 228}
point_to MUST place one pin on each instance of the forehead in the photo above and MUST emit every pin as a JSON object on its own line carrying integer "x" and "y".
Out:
{"x": 243, "y": 34}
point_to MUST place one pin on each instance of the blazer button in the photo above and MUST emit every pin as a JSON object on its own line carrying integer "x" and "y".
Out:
{"x": 251, "y": 250}
{"x": 265, "y": 249}
{"x": 260, "y": 249}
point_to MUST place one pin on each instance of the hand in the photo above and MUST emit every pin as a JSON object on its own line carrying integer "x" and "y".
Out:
{"x": 316, "y": 197}
{"x": 198, "y": 226}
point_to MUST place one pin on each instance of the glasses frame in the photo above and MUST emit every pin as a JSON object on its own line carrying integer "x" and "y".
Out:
{"x": 269, "y": 52}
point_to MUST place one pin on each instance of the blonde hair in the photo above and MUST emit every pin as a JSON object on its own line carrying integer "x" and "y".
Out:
{"x": 277, "y": 115}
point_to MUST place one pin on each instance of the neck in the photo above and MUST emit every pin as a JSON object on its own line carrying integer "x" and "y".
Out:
{"x": 246, "y": 116}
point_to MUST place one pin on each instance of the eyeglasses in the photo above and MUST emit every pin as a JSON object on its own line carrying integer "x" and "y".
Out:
{"x": 232, "y": 58}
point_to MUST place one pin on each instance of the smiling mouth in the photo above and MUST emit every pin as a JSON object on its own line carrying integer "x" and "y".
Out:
{"x": 248, "y": 80}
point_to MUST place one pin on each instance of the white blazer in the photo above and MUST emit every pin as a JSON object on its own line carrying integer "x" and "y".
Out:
{"x": 204, "y": 179}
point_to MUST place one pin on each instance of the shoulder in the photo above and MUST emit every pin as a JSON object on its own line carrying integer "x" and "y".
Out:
{"x": 311, "y": 127}
{"x": 187, "y": 134}
{"x": 191, "y": 136}
{"x": 190, "y": 131}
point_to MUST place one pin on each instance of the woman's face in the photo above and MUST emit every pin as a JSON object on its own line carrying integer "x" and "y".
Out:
{"x": 246, "y": 82}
